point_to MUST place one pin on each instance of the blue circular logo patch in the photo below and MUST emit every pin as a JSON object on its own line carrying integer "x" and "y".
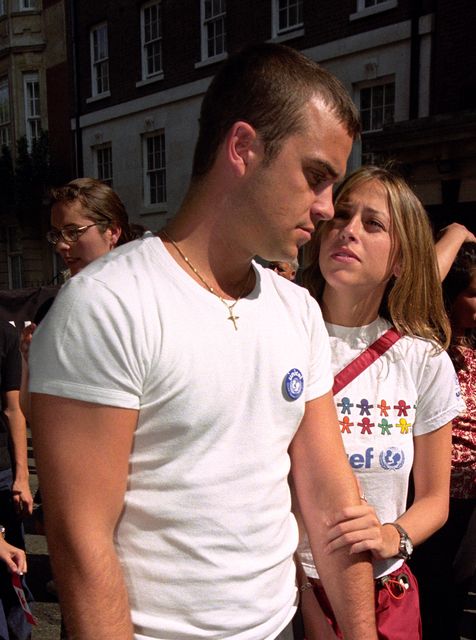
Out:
{"x": 392, "y": 459}
{"x": 294, "y": 384}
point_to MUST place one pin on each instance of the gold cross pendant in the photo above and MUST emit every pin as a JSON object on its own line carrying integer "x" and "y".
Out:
{"x": 233, "y": 318}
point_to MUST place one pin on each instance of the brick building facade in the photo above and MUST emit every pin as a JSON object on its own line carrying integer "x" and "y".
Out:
{"x": 127, "y": 98}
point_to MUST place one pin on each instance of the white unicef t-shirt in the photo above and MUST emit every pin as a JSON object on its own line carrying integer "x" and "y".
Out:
{"x": 409, "y": 391}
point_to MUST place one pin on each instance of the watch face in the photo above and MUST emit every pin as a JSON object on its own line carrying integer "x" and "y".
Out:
{"x": 408, "y": 546}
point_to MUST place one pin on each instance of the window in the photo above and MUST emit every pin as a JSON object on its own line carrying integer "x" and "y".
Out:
{"x": 99, "y": 60}
{"x": 365, "y": 4}
{"x": 377, "y": 106}
{"x": 31, "y": 89}
{"x": 26, "y": 5}
{"x": 371, "y": 7}
{"x": 4, "y": 113}
{"x": 151, "y": 35}
{"x": 213, "y": 28}
{"x": 154, "y": 163}
{"x": 3, "y": 8}
{"x": 15, "y": 266}
{"x": 287, "y": 16}
{"x": 104, "y": 163}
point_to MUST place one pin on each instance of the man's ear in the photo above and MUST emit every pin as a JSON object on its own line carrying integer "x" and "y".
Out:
{"x": 243, "y": 145}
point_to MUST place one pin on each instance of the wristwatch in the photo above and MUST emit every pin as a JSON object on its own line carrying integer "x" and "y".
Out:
{"x": 405, "y": 548}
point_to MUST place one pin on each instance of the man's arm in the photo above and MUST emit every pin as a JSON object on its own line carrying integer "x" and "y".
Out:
{"x": 22, "y": 498}
{"x": 82, "y": 453}
{"x": 324, "y": 484}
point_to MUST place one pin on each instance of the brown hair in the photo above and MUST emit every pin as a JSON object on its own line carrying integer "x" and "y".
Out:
{"x": 413, "y": 300}
{"x": 101, "y": 204}
{"x": 267, "y": 86}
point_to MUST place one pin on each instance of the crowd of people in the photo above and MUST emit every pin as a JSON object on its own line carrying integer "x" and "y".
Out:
{"x": 224, "y": 453}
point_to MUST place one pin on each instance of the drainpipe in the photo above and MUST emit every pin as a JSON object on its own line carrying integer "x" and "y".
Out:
{"x": 78, "y": 135}
{"x": 415, "y": 60}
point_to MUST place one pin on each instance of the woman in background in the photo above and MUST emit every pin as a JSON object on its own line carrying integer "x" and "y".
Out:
{"x": 88, "y": 219}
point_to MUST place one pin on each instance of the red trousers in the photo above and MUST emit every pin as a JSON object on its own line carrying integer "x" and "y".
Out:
{"x": 397, "y": 608}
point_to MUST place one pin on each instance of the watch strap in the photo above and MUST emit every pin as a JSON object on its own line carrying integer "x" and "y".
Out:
{"x": 402, "y": 552}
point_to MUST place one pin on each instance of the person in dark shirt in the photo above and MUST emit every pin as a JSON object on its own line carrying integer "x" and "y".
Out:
{"x": 15, "y": 495}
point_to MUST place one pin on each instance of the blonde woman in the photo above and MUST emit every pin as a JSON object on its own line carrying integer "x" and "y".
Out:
{"x": 373, "y": 269}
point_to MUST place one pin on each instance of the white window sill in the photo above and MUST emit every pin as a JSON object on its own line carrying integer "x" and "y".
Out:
{"x": 153, "y": 210}
{"x": 288, "y": 35}
{"x": 151, "y": 80}
{"x": 100, "y": 96}
{"x": 207, "y": 61}
{"x": 369, "y": 11}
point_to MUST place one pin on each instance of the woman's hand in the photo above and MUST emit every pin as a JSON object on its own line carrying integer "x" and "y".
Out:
{"x": 14, "y": 558}
{"x": 359, "y": 528}
{"x": 25, "y": 341}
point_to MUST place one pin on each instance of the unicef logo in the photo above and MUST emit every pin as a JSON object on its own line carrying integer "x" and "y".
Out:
{"x": 294, "y": 384}
{"x": 392, "y": 459}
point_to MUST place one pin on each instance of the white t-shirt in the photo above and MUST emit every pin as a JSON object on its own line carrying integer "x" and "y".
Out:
{"x": 206, "y": 537}
{"x": 409, "y": 391}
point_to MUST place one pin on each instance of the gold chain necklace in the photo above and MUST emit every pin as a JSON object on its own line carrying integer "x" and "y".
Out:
{"x": 230, "y": 307}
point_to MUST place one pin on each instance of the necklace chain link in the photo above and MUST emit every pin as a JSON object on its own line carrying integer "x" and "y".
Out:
{"x": 231, "y": 306}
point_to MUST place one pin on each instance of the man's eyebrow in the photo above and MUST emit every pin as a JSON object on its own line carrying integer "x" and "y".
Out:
{"x": 322, "y": 165}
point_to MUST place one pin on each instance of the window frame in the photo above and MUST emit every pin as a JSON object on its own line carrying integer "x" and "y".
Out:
{"x": 22, "y": 5}
{"x": 148, "y": 171}
{"x": 205, "y": 22}
{"x": 290, "y": 29}
{"x": 5, "y": 124}
{"x": 14, "y": 259}
{"x": 362, "y": 11}
{"x": 98, "y": 62}
{"x": 159, "y": 73}
{"x": 32, "y": 119}
{"x": 381, "y": 82}
{"x": 100, "y": 165}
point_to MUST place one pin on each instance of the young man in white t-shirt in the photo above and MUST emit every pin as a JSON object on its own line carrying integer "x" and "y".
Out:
{"x": 176, "y": 382}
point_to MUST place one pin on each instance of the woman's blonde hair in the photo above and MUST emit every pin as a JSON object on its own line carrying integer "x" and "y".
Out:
{"x": 413, "y": 299}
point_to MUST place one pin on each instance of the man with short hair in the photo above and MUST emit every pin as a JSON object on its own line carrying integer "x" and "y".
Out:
{"x": 176, "y": 382}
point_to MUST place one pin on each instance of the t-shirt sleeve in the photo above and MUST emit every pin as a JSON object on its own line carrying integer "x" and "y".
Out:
{"x": 90, "y": 347}
{"x": 11, "y": 362}
{"x": 320, "y": 373}
{"x": 439, "y": 394}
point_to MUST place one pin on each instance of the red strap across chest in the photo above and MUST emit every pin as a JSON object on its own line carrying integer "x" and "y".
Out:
{"x": 365, "y": 359}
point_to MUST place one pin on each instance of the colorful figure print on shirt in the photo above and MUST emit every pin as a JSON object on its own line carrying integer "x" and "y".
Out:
{"x": 364, "y": 407}
{"x": 385, "y": 427}
{"x": 404, "y": 425}
{"x": 366, "y": 426}
{"x": 345, "y": 425}
{"x": 346, "y": 405}
{"x": 382, "y": 414}
{"x": 402, "y": 408}
{"x": 384, "y": 408}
